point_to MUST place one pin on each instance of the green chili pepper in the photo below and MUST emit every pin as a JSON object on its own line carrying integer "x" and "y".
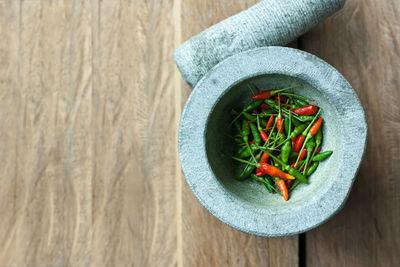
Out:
{"x": 286, "y": 149}
{"x": 244, "y": 152}
{"x": 245, "y": 130}
{"x": 246, "y": 172}
{"x": 299, "y": 176}
{"x": 318, "y": 137}
{"x": 299, "y": 129}
{"x": 305, "y": 118}
{"x": 312, "y": 168}
{"x": 310, "y": 147}
{"x": 287, "y": 126}
{"x": 256, "y": 135}
{"x": 322, "y": 156}
{"x": 253, "y": 105}
{"x": 299, "y": 102}
{"x": 296, "y": 122}
{"x": 249, "y": 117}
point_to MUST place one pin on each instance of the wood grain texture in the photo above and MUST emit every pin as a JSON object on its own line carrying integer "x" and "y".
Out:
{"x": 206, "y": 240}
{"x": 363, "y": 43}
{"x": 45, "y": 146}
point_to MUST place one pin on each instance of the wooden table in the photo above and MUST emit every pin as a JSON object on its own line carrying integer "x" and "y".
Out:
{"x": 90, "y": 101}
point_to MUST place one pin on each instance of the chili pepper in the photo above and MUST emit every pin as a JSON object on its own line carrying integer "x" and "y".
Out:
{"x": 286, "y": 149}
{"x": 308, "y": 134}
{"x": 298, "y": 143}
{"x": 318, "y": 150}
{"x": 304, "y": 118}
{"x": 264, "y": 136}
{"x": 300, "y": 102}
{"x": 246, "y": 172}
{"x": 256, "y": 135}
{"x": 310, "y": 147}
{"x": 270, "y": 122}
{"x": 312, "y": 168}
{"x": 290, "y": 106}
{"x": 244, "y": 152}
{"x": 287, "y": 126}
{"x": 307, "y": 110}
{"x": 274, "y": 171}
{"x": 279, "y": 124}
{"x": 249, "y": 117}
{"x": 264, "y": 106}
{"x": 296, "y": 122}
{"x": 245, "y": 130}
{"x": 264, "y": 159}
{"x": 298, "y": 130}
{"x": 282, "y": 187}
{"x": 267, "y": 94}
{"x": 293, "y": 154}
{"x": 252, "y": 143}
{"x": 303, "y": 154}
{"x": 249, "y": 107}
{"x": 314, "y": 129}
{"x": 292, "y": 171}
{"x": 322, "y": 156}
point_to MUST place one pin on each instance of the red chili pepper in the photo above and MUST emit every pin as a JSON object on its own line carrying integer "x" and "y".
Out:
{"x": 303, "y": 154}
{"x": 298, "y": 143}
{"x": 318, "y": 150}
{"x": 307, "y": 110}
{"x": 270, "y": 122}
{"x": 264, "y": 158}
{"x": 259, "y": 173}
{"x": 264, "y": 106}
{"x": 279, "y": 124}
{"x": 288, "y": 183}
{"x": 264, "y": 136}
{"x": 252, "y": 143}
{"x": 314, "y": 129}
{"x": 294, "y": 165}
{"x": 282, "y": 187}
{"x": 262, "y": 95}
{"x": 274, "y": 171}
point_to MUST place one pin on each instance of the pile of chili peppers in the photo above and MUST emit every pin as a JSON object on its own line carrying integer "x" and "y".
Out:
{"x": 279, "y": 138}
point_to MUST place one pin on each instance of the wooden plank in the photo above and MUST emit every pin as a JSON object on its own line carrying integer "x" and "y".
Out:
{"x": 363, "y": 43}
{"x": 134, "y": 121}
{"x": 206, "y": 240}
{"x": 46, "y": 143}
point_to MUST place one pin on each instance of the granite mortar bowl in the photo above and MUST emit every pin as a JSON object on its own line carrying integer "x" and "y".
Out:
{"x": 205, "y": 150}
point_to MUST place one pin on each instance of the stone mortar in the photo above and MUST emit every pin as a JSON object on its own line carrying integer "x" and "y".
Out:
{"x": 205, "y": 151}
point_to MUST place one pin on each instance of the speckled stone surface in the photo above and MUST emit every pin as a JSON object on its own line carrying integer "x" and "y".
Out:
{"x": 205, "y": 151}
{"x": 270, "y": 22}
